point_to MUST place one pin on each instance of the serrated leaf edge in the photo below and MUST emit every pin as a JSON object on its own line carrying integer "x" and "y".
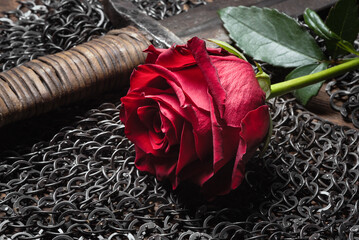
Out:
{"x": 225, "y": 10}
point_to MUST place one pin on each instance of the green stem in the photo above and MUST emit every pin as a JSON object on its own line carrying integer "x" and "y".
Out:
{"x": 282, "y": 88}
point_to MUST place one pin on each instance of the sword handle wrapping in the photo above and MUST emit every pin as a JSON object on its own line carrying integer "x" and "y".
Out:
{"x": 100, "y": 65}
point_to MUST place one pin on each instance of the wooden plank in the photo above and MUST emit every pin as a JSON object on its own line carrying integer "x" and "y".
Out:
{"x": 296, "y": 8}
{"x": 320, "y": 106}
{"x": 204, "y": 21}
{"x": 7, "y": 5}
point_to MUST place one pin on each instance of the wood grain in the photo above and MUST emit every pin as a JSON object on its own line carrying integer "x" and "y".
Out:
{"x": 204, "y": 22}
{"x": 7, "y": 5}
{"x": 320, "y": 106}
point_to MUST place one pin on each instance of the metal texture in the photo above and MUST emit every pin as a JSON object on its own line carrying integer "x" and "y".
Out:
{"x": 344, "y": 95}
{"x": 160, "y": 9}
{"x": 123, "y": 13}
{"x": 82, "y": 184}
{"x": 84, "y": 71}
{"x": 48, "y": 26}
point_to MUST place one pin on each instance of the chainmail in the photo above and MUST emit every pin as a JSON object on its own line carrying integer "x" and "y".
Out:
{"x": 46, "y": 27}
{"x": 344, "y": 94}
{"x": 160, "y": 9}
{"x": 82, "y": 184}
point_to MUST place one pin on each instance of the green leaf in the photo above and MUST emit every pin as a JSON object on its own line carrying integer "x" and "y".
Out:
{"x": 270, "y": 36}
{"x": 303, "y": 95}
{"x": 228, "y": 48}
{"x": 263, "y": 80}
{"x": 312, "y": 19}
{"x": 346, "y": 46}
{"x": 343, "y": 19}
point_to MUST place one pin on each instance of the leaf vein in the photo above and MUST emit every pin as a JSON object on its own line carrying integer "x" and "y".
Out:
{"x": 238, "y": 22}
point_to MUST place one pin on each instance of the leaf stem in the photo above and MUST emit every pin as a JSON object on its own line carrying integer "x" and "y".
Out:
{"x": 282, "y": 88}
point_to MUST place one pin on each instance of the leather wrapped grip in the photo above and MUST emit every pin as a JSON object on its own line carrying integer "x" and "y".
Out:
{"x": 89, "y": 69}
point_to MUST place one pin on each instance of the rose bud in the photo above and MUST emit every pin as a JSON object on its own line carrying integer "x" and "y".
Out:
{"x": 195, "y": 115}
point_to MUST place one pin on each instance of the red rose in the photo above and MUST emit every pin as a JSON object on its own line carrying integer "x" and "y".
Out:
{"x": 195, "y": 114}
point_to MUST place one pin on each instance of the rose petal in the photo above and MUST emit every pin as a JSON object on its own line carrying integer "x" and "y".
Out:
{"x": 161, "y": 167}
{"x": 135, "y": 130}
{"x": 219, "y": 183}
{"x": 198, "y": 173}
{"x": 170, "y": 131}
{"x": 171, "y": 124}
{"x": 153, "y": 53}
{"x": 194, "y": 86}
{"x": 254, "y": 128}
{"x": 182, "y": 83}
{"x": 157, "y": 142}
{"x": 147, "y": 115}
{"x": 146, "y": 76}
{"x": 141, "y": 162}
{"x": 187, "y": 153}
{"x": 243, "y": 91}
{"x": 156, "y": 77}
{"x": 198, "y": 49}
{"x": 230, "y": 142}
{"x": 169, "y": 56}
{"x": 202, "y": 134}
{"x": 217, "y": 138}
{"x": 171, "y": 103}
{"x": 188, "y": 100}
{"x": 176, "y": 57}
{"x": 157, "y": 123}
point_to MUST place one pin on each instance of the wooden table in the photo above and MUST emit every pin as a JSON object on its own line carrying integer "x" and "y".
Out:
{"x": 7, "y": 5}
{"x": 204, "y": 27}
